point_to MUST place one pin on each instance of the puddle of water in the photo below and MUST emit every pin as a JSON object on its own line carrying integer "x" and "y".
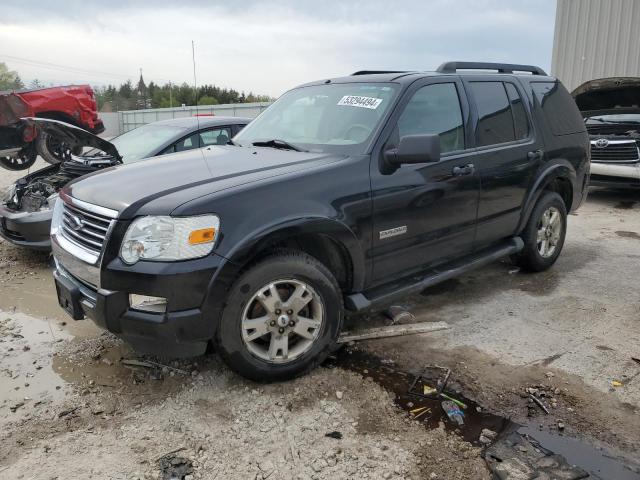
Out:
{"x": 26, "y": 350}
{"x": 626, "y": 234}
{"x": 589, "y": 458}
{"x": 598, "y": 463}
{"x": 399, "y": 382}
{"x": 625, "y": 204}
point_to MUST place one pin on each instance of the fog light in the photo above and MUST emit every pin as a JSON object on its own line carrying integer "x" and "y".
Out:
{"x": 147, "y": 303}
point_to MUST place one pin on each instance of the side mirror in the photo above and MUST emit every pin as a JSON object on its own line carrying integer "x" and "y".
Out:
{"x": 424, "y": 148}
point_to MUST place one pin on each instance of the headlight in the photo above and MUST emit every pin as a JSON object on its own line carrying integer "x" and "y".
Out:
{"x": 56, "y": 217}
{"x": 163, "y": 238}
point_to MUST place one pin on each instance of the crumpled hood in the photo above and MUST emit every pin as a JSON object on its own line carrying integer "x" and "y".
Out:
{"x": 608, "y": 95}
{"x": 170, "y": 180}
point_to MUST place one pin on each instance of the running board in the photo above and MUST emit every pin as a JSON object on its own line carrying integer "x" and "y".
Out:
{"x": 385, "y": 294}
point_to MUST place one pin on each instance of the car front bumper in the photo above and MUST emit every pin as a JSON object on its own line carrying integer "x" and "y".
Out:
{"x": 183, "y": 330}
{"x": 26, "y": 229}
{"x": 615, "y": 174}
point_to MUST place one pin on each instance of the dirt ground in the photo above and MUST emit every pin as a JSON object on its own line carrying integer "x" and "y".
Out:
{"x": 73, "y": 405}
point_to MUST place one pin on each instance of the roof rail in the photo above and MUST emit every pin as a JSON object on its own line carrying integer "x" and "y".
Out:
{"x": 453, "y": 67}
{"x": 373, "y": 72}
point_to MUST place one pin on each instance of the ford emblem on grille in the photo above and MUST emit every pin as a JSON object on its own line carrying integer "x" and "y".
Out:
{"x": 76, "y": 223}
{"x": 602, "y": 143}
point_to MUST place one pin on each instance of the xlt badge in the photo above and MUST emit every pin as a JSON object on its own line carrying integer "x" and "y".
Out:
{"x": 392, "y": 232}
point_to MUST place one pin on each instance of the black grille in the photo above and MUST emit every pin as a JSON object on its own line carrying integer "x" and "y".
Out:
{"x": 85, "y": 228}
{"x": 626, "y": 152}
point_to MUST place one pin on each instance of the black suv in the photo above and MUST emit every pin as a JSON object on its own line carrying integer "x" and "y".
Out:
{"x": 344, "y": 194}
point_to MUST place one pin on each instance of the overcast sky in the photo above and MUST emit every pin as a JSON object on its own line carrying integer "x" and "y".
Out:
{"x": 264, "y": 46}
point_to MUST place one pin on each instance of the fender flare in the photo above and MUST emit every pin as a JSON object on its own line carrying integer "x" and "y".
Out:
{"x": 334, "y": 229}
{"x": 562, "y": 169}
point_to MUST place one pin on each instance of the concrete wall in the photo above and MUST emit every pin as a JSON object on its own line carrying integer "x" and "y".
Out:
{"x": 596, "y": 39}
{"x": 111, "y": 122}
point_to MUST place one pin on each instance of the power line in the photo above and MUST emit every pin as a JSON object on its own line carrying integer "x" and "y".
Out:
{"x": 68, "y": 68}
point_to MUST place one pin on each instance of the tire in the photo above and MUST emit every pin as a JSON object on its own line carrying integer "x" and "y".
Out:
{"x": 534, "y": 257}
{"x": 52, "y": 150}
{"x": 23, "y": 160}
{"x": 299, "y": 279}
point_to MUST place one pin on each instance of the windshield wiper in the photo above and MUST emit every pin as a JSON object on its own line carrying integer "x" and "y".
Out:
{"x": 277, "y": 143}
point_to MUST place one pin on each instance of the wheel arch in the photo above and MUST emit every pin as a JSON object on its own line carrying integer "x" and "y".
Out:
{"x": 560, "y": 178}
{"x": 327, "y": 240}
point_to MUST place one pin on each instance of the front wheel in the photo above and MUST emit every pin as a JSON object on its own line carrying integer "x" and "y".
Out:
{"x": 544, "y": 234}
{"x": 22, "y": 160}
{"x": 282, "y": 318}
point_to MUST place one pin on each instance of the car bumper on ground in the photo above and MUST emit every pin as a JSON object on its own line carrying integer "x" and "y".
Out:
{"x": 615, "y": 175}
{"x": 26, "y": 229}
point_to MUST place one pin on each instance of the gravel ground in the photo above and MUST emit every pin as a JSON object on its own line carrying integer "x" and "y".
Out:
{"x": 70, "y": 407}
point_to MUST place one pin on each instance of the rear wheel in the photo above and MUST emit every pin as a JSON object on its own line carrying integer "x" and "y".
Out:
{"x": 282, "y": 318}
{"x": 544, "y": 234}
{"x": 22, "y": 160}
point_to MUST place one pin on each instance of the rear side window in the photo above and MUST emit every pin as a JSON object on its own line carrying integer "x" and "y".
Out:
{"x": 435, "y": 109}
{"x": 520, "y": 119}
{"x": 495, "y": 121}
{"x": 558, "y": 107}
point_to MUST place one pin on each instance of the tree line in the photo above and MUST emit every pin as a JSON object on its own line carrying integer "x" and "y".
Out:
{"x": 130, "y": 96}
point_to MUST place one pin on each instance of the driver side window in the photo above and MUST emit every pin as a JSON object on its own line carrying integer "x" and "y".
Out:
{"x": 435, "y": 109}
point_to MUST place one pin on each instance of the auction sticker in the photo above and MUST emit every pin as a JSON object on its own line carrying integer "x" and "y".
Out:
{"x": 362, "y": 102}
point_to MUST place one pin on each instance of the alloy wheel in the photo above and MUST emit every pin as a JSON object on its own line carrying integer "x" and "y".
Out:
{"x": 282, "y": 320}
{"x": 549, "y": 232}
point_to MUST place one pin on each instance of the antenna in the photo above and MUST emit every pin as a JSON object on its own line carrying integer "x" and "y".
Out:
{"x": 195, "y": 87}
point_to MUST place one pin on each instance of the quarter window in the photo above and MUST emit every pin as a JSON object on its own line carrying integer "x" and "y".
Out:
{"x": 495, "y": 122}
{"x": 435, "y": 109}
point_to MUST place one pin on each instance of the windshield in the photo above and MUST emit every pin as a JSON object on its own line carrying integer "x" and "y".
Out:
{"x": 143, "y": 141}
{"x": 614, "y": 118}
{"x": 337, "y": 118}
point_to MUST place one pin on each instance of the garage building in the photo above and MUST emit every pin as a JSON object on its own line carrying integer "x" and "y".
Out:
{"x": 596, "y": 39}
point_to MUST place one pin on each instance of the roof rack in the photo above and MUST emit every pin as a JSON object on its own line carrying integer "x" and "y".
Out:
{"x": 453, "y": 67}
{"x": 373, "y": 72}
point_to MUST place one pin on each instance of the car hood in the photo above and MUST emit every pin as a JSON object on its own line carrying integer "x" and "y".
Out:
{"x": 608, "y": 95}
{"x": 168, "y": 181}
{"x": 73, "y": 135}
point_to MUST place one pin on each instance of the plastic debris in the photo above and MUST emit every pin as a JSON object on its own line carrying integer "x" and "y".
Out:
{"x": 337, "y": 435}
{"x": 453, "y": 412}
{"x": 428, "y": 390}
{"x": 617, "y": 383}
{"x": 451, "y": 399}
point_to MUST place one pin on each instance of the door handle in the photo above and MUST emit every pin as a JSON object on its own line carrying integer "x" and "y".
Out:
{"x": 536, "y": 154}
{"x": 467, "y": 169}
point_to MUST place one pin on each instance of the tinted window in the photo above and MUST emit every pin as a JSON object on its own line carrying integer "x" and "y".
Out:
{"x": 519, "y": 113}
{"x": 435, "y": 109}
{"x": 495, "y": 124}
{"x": 217, "y": 136}
{"x": 558, "y": 107}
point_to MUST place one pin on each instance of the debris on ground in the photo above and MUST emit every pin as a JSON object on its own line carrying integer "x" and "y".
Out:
{"x": 487, "y": 436}
{"x": 539, "y": 403}
{"x": 399, "y": 315}
{"x": 174, "y": 467}
{"x": 337, "y": 435}
{"x": 616, "y": 383}
{"x": 393, "y": 331}
{"x": 518, "y": 457}
{"x": 453, "y": 412}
